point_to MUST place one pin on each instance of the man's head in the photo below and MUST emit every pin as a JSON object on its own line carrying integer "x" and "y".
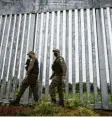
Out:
{"x": 56, "y": 52}
{"x": 31, "y": 54}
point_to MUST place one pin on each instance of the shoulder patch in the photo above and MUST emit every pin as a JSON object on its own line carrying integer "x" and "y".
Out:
{"x": 61, "y": 60}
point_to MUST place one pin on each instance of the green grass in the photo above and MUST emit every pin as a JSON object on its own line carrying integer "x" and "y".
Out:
{"x": 45, "y": 108}
{"x": 72, "y": 108}
{"x": 77, "y": 97}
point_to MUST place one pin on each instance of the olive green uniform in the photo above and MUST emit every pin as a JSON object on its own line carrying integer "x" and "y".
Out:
{"x": 59, "y": 69}
{"x": 30, "y": 80}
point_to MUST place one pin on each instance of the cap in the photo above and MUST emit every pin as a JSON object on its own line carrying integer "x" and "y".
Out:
{"x": 31, "y": 52}
{"x": 56, "y": 50}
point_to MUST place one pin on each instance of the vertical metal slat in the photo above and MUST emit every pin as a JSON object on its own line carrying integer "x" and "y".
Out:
{"x": 64, "y": 47}
{"x": 83, "y": 53}
{"x": 70, "y": 47}
{"x": 4, "y": 79}
{"x": 35, "y": 42}
{"x": 9, "y": 79}
{"x": 89, "y": 50}
{"x": 76, "y": 46}
{"x": 97, "y": 58}
{"x": 40, "y": 52}
{"x": 25, "y": 97}
{"x": 45, "y": 58}
{"x": 14, "y": 65}
{"x": 51, "y": 43}
{"x": 4, "y": 26}
{"x": 21, "y": 51}
{"x": 58, "y": 29}
{"x": 104, "y": 81}
{"x": 110, "y": 38}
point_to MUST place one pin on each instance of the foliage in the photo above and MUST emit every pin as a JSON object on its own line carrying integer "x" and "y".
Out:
{"x": 79, "y": 111}
{"x": 21, "y": 114}
{"x": 77, "y": 85}
{"x": 76, "y": 97}
{"x": 73, "y": 104}
{"x": 83, "y": 111}
{"x": 45, "y": 109}
{"x": 72, "y": 108}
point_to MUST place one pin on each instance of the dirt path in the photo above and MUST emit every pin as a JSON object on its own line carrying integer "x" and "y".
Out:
{"x": 104, "y": 112}
{"x": 13, "y": 110}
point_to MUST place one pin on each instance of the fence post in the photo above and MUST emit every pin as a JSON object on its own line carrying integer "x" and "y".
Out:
{"x": 102, "y": 61}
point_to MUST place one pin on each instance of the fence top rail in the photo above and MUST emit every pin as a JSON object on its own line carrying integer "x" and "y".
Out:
{"x": 38, "y": 6}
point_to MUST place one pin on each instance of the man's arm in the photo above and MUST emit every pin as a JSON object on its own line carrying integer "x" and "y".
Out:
{"x": 63, "y": 66}
{"x": 31, "y": 65}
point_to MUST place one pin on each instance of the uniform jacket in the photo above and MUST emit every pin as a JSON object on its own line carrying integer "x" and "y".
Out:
{"x": 59, "y": 66}
{"x": 33, "y": 66}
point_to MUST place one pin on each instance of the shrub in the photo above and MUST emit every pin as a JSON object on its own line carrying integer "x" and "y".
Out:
{"x": 21, "y": 114}
{"x": 45, "y": 109}
{"x": 73, "y": 104}
{"x": 79, "y": 111}
{"x": 82, "y": 111}
{"x": 72, "y": 108}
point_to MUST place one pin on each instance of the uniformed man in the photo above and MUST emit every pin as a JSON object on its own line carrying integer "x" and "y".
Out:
{"x": 59, "y": 72}
{"x": 31, "y": 78}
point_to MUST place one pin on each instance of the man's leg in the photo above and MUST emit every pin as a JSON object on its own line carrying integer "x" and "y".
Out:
{"x": 35, "y": 93}
{"x": 53, "y": 84}
{"x": 33, "y": 84}
{"x": 23, "y": 87}
{"x": 34, "y": 88}
{"x": 20, "y": 93}
{"x": 60, "y": 92}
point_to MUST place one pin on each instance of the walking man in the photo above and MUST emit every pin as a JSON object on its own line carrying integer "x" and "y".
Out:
{"x": 30, "y": 79}
{"x": 59, "y": 72}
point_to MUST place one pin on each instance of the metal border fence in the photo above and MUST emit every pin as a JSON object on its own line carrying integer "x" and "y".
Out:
{"x": 84, "y": 39}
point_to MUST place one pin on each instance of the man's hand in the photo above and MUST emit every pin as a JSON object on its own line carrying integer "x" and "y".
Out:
{"x": 63, "y": 79}
{"x": 63, "y": 76}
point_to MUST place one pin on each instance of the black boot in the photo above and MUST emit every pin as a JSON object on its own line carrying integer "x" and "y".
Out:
{"x": 61, "y": 103}
{"x": 14, "y": 102}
